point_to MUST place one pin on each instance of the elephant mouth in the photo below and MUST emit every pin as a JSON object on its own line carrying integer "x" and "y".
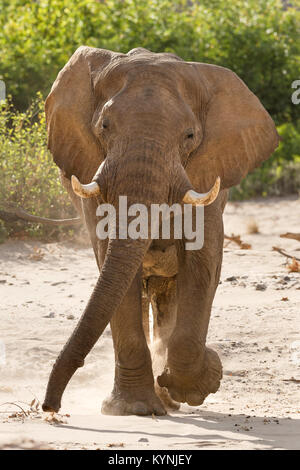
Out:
{"x": 161, "y": 262}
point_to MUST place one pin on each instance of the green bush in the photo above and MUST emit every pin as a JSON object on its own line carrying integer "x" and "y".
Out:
{"x": 29, "y": 177}
{"x": 258, "y": 39}
{"x": 280, "y": 174}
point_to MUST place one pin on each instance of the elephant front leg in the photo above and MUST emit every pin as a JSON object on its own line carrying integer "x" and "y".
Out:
{"x": 133, "y": 391}
{"x": 194, "y": 371}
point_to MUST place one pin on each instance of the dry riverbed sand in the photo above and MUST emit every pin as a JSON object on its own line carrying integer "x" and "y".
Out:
{"x": 44, "y": 288}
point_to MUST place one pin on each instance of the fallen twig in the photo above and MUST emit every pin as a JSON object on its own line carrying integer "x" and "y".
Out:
{"x": 237, "y": 239}
{"x": 292, "y": 236}
{"x": 292, "y": 379}
{"x": 17, "y": 213}
{"x": 14, "y": 404}
{"x": 282, "y": 252}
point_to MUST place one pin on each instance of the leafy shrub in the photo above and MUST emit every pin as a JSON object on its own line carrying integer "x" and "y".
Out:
{"x": 280, "y": 174}
{"x": 258, "y": 39}
{"x": 29, "y": 178}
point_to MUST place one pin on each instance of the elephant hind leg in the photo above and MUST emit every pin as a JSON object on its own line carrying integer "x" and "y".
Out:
{"x": 162, "y": 294}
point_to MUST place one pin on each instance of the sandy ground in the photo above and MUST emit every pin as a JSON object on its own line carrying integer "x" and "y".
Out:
{"x": 44, "y": 288}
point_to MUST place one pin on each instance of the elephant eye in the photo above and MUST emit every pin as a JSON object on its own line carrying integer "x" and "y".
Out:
{"x": 190, "y": 134}
{"x": 105, "y": 124}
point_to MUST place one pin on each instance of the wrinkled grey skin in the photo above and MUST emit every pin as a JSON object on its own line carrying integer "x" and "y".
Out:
{"x": 162, "y": 126}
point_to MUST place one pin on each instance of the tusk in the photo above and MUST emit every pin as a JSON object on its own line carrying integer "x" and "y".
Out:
{"x": 84, "y": 190}
{"x": 198, "y": 199}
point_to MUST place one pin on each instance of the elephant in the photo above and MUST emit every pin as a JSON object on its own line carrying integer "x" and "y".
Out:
{"x": 159, "y": 130}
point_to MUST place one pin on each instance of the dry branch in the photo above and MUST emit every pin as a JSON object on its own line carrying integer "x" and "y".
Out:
{"x": 14, "y": 404}
{"x": 292, "y": 379}
{"x": 18, "y": 213}
{"x": 282, "y": 252}
{"x": 237, "y": 239}
{"x": 292, "y": 236}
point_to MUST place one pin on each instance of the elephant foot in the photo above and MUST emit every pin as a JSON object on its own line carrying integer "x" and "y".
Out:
{"x": 163, "y": 394}
{"x": 193, "y": 387}
{"x": 132, "y": 403}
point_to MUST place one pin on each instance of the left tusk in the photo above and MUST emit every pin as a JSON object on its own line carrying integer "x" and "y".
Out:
{"x": 84, "y": 190}
{"x": 198, "y": 199}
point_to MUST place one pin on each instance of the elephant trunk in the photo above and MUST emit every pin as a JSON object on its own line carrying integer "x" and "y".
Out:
{"x": 120, "y": 266}
{"x": 122, "y": 261}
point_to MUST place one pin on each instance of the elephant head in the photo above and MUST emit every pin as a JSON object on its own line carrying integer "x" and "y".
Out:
{"x": 156, "y": 129}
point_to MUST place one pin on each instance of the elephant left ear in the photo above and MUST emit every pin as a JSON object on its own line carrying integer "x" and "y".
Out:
{"x": 238, "y": 133}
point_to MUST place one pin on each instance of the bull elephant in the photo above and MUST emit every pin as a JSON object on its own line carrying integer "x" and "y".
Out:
{"x": 159, "y": 130}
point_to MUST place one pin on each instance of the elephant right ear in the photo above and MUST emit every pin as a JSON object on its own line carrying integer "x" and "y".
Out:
{"x": 69, "y": 111}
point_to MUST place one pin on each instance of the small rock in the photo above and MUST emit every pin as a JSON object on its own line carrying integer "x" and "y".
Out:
{"x": 143, "y": 439}
{"x": 260, "y": 286}
{"x": 70, "y": 317}
{"x": 51, "y": 315}
{"x": 231, "y": 278}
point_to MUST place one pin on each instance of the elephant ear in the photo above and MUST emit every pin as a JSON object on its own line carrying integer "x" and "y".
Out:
{"x": 69, "y": 111}
{"x": 238, "y": 133}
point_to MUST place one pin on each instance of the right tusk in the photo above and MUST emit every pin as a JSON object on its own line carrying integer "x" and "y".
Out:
{"x": 85, "y": 190}
{"x": 198, "y": 199}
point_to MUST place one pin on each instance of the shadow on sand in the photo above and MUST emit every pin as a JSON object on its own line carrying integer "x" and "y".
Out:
{"x": 216, "y": 430}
